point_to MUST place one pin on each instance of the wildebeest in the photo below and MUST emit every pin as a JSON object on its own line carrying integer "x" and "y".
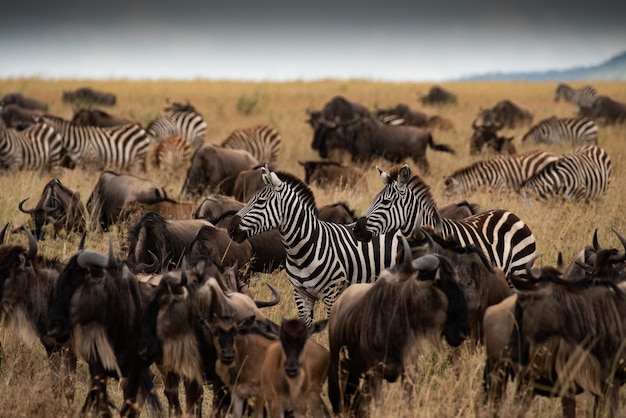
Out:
{"x": 401, "y": 114}
{"x": 97, "y": 117}
{"x": 338, "y": 213}
{"x": 98, "y": 304}
{"x": 326, "y": 174}
{"x": 487, "y": 135}
{"x": 59, "y": 206}
{"x": 168, "y": 208}
{"x": 86, "y": 96}
{"x": 17, "y": 117}
{"x": 460, "y": 210}
{"x": 113, "y": 191}
{"x": 424, "y": 303}
{"x": 215, "y": 205}
{"x": 294, "y": 371}
{"x": 437, "y": 95}
{"x": 606, "y": 110}
{"x": 506, "y": 114}
{"x": 248, "y": 182}
{"x": 216, "y": 168}
{"x": 23, "y": 101}
{"x": 367, "y": 138}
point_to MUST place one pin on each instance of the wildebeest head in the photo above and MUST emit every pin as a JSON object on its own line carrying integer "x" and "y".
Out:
{"x": 225, "y": 330}
{"x": 15, "y": 261}
{"x": 293, "y": 336}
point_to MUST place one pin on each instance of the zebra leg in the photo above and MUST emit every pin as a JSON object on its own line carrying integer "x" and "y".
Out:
{"x": 305, "y": 305}
{"x": 332, "y": 293}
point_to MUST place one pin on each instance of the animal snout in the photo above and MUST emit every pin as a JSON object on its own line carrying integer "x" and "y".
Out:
{"x": 360, "y": 230}
{"x": 227, "y": 356}
{"x": 292, "y": 369}
{"x": 234, "y": 231}
{"x": 58, "y": 333}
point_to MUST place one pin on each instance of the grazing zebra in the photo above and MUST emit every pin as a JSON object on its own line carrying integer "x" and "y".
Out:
{"x": 322, "y": 257}
{"x": 500, "y": 172}
{"x": 551, "y": 131}
{"x": 406, "y": 202}
{"x": 38, "y": 147}
{"x": 262, "y": 142}
{"x": 186, "y": 122}
{"x": 584, "y": 173}
{"x": 119, "y": 147}
{"x": 172, "y": 152}
{"x": 582, "y": 97}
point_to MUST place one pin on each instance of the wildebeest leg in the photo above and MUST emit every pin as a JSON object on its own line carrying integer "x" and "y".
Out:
{"x": 194, "y": 395}
{"x": 495, "y": 379}
{"x": 568, "y": 405}
{"x": 97, "y": 398}
{"x": 422, "y": 163}
{"x": 221, "y": 398}
{"x": 371, "y": 388}
{"x": 317, "y": 408}
{"x": 132, "y": 405}
{"x": 63, "y": 366}
{"x": 170, "y": 391}
{"x": 305, "y": 306}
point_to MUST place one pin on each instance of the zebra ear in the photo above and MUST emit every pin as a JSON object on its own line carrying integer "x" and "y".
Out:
{"x": 384, "y": 176}
{"x": 404, "y": 175}
{"x": 265, "y": 175}
{"x": 274, "y": 180}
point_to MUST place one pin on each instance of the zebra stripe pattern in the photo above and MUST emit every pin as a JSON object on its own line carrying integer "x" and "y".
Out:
{"x": 121, "y": 147}
{"x": 322, "y": 257}
{"x": 38, "y": 147}
{"x": 188, "y": 124}
{"x": 171, "y": 152}
{"x": 551, "y": 131}
{"x": 498, "y": 173}
{"x": 583, "y": 174}
{"x": 582, "y": 97}
{"x": 262, "y": 142}
{"x": 406, "y": 202}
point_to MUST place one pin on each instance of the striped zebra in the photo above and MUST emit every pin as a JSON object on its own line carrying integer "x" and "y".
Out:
{"x": 186, "y": 122}
{"x": 322, "y": 257}
{"x": 406, "y": 202}
{"x": 498, "y": 173}
{"x": 584, "y": 173}
{"x": 171, "y": 152}
{"x": 119, "y": 147}
{"x": 553, "y": 130}
{"x": 262, "y": 142}
{"x": 38, "y": 147}
{"x": 582, "y": 97}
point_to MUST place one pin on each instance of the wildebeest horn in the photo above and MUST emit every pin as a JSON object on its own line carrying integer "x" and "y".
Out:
{"x": 596, "y": 245}
{"x": 621, "y": 237}
{"x": 142, "y": 267}
{"x": 90, "y": 258}
{"x": 21, "y": 207}
{"x": 428, "y": 262}
{"x": 111, "y": 259}
{"x": 48, "y": 209}
{"x": 407, "y": 266}
{"x": 3, "y": 232}
{"x": 81, "y": 244}
{"x": 183, "y": 272}
{"x": 32, "y": 243}
{"x": 475, "y": 125}
{"x": 275, "y": 301}
{"x": 559, "y": 262}
{"x": 529, "y": 270}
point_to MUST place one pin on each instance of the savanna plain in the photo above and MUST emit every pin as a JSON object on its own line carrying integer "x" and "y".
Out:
{"x": 442, "y": 390}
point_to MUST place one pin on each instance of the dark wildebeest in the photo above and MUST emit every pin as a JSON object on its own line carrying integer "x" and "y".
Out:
{"x": 17, "y": 117}
{"x": 248, "y": 183}
{"x": 216, "y": 168}
{"x": 97, "y": 117}
{"x": 23, "y": 102}
{"x": 487, "y": 135}
{"x": 214, "y": 206}
{"x": 607, "y": 111}
{"x": 437, "y": 95}
{"x": 338, "y": 213}
{"x": 422, "y": 302}
{"x": 506, "y": 114}
{"x": 27, "y": 282}
{"x": 113, "y": 191}
{"x": 99, "y": 303}
{"x": 458, "y": 211}
{"x": 294, "y": 371}
{"x": 403, "y": 115}
{"x": 166, "y": 239}
{"x": 168, "y": 208}
{"x": 326, "y": 174}
{"x": 86, "y": 96}
{"x": 59, "y": 206}
{"x": 367, "y": 138}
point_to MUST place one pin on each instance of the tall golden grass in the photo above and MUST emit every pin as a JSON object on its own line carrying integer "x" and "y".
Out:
{"x": 441, "y": 391}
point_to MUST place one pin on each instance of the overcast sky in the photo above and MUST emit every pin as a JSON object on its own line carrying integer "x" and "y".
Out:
{"x": 292, "y": 39}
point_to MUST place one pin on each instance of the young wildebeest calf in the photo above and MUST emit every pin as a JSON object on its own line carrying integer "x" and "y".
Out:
{"x": 294, "y": 371}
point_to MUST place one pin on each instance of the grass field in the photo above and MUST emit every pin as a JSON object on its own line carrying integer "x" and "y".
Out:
{"x": 441, "y": 390}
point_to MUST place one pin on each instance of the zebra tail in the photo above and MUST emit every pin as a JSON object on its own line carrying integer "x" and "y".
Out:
{"x": 440, "y": 147}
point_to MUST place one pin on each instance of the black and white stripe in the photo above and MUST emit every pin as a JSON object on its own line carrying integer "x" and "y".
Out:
{"x": 187, "y": 123}
{"x": 322, "y": 257}
{"x": 498, "y": 173}
{"x": 262, "y": 142}
{"x": 582, "y": 97}
{"x": 120, "y": 148}
{"x": 583, "y": 174}
{"x": 38, "y": 147}
{"x": 551, "y": 131}
{"x": 406, "y": 202}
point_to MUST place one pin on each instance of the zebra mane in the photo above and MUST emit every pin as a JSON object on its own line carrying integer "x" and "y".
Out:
{"x": 300, "y": 188}
{"x": 415, "y": 183}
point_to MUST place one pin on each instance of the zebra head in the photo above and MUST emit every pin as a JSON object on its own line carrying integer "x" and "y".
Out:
{"x": 389, "y": 208}
{"x": 262, "y": 212}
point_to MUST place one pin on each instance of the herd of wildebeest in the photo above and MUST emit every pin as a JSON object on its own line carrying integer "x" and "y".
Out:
{"x": 178, "y": 293}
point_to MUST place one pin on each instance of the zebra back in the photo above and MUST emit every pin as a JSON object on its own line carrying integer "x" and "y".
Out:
{"x": 555, "y": 130}
{"x": 171, "y": 152}
{"x": 38, "y": 147}
{"x": 262, "y": 142}
{"x": 582, "y": 97}
{"x": 187, "y": 123}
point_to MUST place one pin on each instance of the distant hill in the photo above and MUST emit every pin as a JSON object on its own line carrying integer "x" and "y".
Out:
{"x": 612, "y": 69}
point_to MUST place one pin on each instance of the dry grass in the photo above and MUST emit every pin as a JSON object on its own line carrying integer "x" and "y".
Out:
{"x": 441, "y": 391}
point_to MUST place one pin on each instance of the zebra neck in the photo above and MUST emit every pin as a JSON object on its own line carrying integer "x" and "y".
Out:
{"x": 299, "y": 226}
{"x": 421, "y": 212}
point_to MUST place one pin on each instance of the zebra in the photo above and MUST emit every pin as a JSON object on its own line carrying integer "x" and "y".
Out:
{"x": 38, "y": 147}
{"x": 262, "y": 142}
{"x": 584, "y": 173}
{"x": 582, "y": 97}
{"x": 498, "y": 173}
{"x": 120, "y": 147}
{"x": 184, "y": 121}
{"x": 406, "y": 202}
{"x": 171, "y": 152}
{"x": 322, "y": 258}
{"x": 555, "y": 130}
